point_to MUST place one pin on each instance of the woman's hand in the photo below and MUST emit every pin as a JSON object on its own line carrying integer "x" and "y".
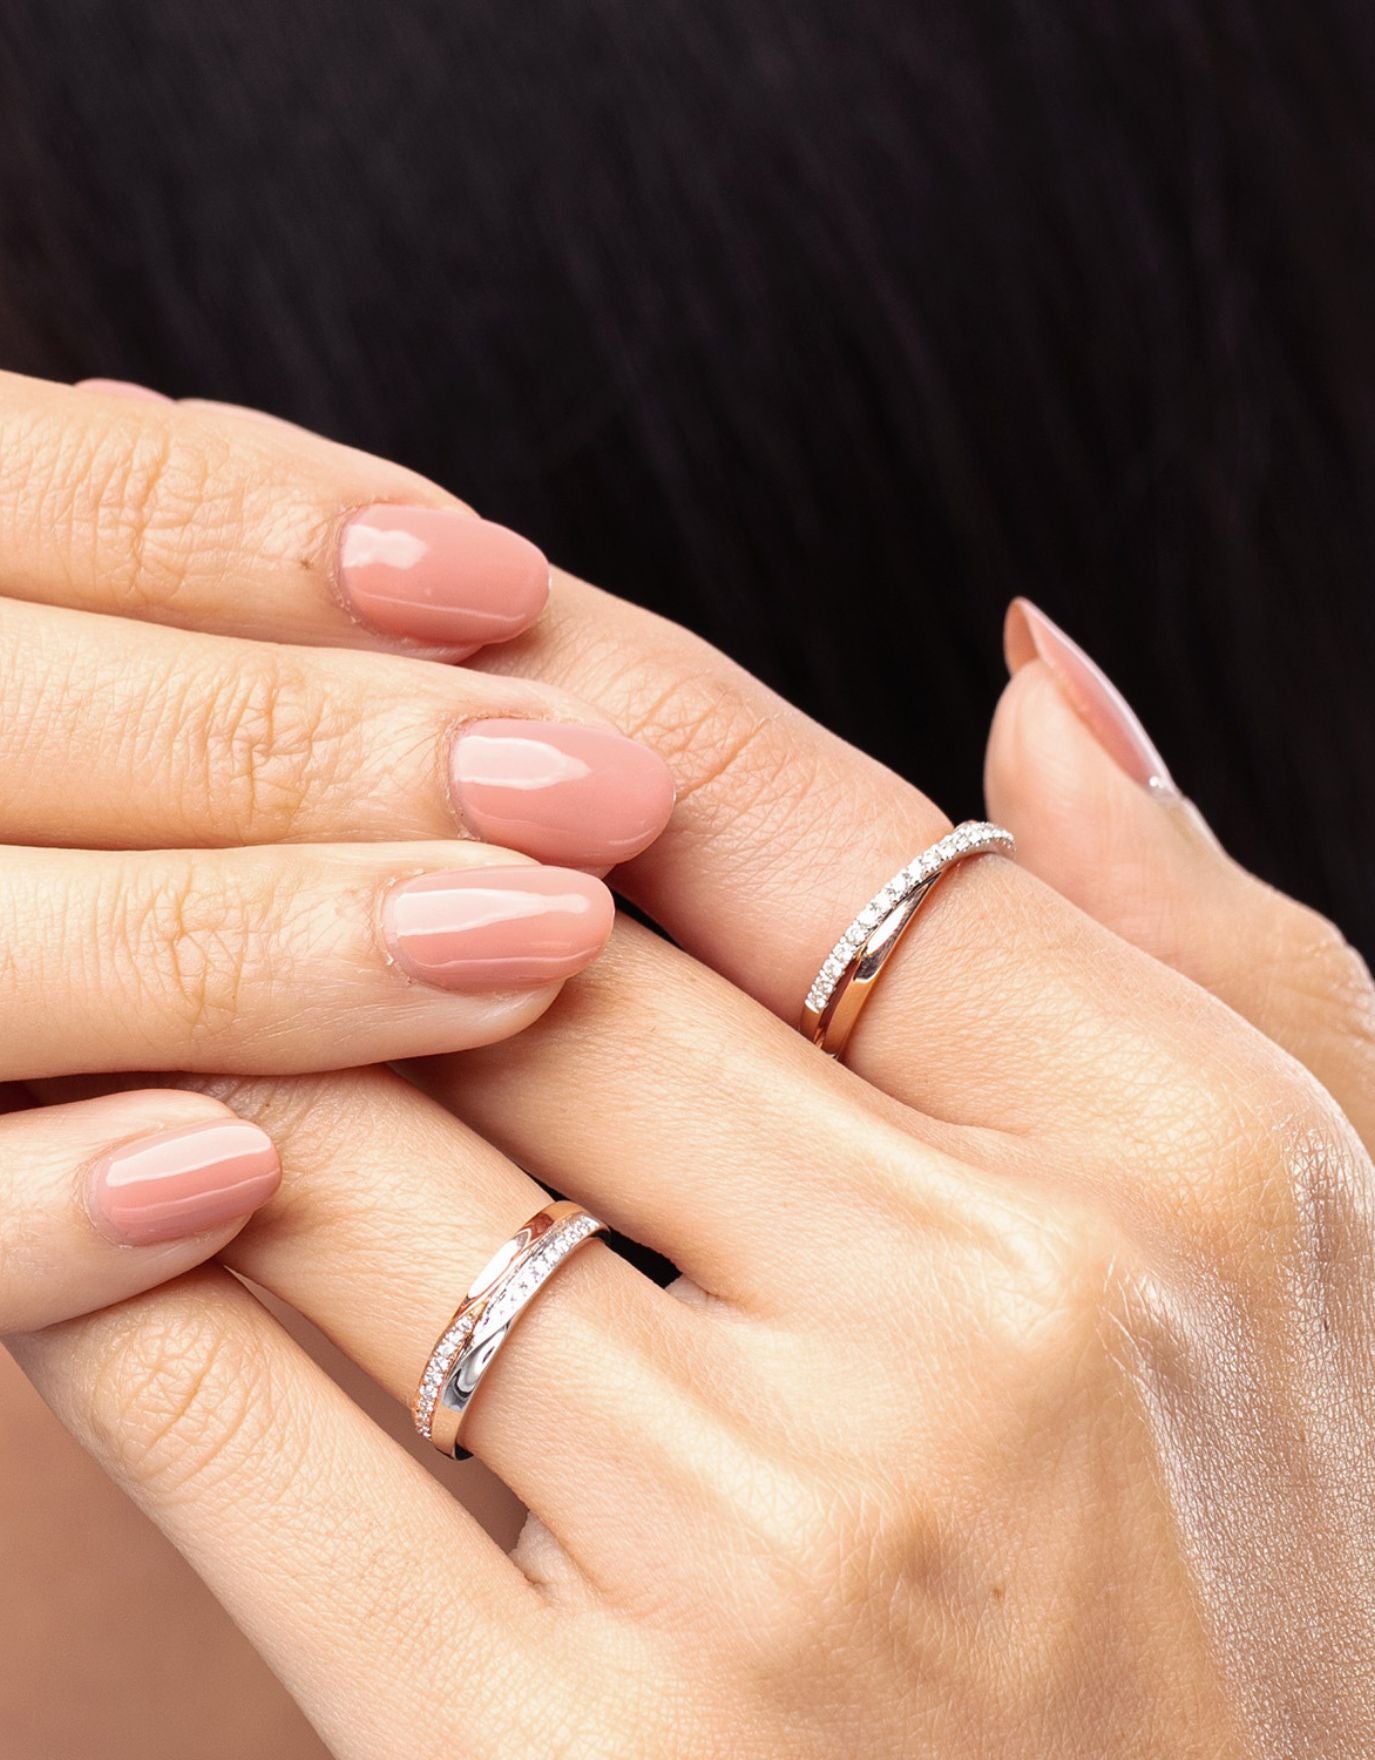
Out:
{"x": 116, "y": 736}
{"x": 126, "y": 749}
{"x": 1017, "y": 1396}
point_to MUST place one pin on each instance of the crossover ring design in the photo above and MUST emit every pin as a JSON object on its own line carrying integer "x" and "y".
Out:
{"x": 852, "y": 967}
{"x": 503, "y": 1290}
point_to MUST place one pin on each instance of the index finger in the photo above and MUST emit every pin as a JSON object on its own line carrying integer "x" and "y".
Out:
{"x": 217, "y": 519}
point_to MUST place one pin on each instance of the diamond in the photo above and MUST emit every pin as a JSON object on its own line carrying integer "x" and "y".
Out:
{"x": 973, "y": 837}
{"x": 522, "y": 1278}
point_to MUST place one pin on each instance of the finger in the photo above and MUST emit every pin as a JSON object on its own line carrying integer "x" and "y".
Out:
{"x": 379, "y": 1262}
{"x": 212, "y": 519}
{"x": 1071, "y": 771}
{"x": 351, "y": 1570}
{"x": 238, "y": 742}
{"x": 783, "y": 832}
{"x": 307, "y": 958}
{"x": 105, "y": 1198}
{"x": 722, "y": 1118}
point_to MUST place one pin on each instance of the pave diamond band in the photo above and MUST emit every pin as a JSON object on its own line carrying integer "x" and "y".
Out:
{"x": 467, "y": 1346}
{"x": 841, "y": 987}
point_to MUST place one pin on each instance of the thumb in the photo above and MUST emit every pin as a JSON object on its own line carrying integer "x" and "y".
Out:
{"x": 1075, "y": 776}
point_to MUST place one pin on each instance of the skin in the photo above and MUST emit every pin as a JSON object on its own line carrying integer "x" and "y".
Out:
{"x": 120, "y": 950}
{"x": 1097, "y": 1160}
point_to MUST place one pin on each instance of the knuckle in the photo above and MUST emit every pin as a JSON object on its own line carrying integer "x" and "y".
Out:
{"x": 1294, "y": 1207}
{"x": 263, "y": 738}
{"x": 1198, "y": 1119}
{"x": 143, "y": 505}
{"x": 719, "y": 731}
{"x": 191, "y": 934}
{"x": 1333, "y": 1187}
{"x": 1053, "y": 1288}
{"x": 1316, "y": 968}
{"x": 1247, "y": 1122}
{"x": 714, "y": 740}
{"x": 1253, "y": 1170}
{"x": 184, "y": 1399}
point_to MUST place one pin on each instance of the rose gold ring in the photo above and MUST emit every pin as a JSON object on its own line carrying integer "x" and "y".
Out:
{"x": 853, "y": 965}
{"x": 484, "y": 1318}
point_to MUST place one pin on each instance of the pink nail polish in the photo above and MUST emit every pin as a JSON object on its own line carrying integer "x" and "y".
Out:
{"x": 577, "y": 795}
{"x": 498, "y": 928}
{"x": 122, "y": 388}
{"x": 183, "y": 1182}
{"x": 1030, "y": 634}
{"x": 435, "y": 574}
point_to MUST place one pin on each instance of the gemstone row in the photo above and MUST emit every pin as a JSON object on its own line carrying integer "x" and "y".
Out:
{"x": 521, "y": 1281}
{"x": 529, "y": 1273}
{"x": 975, "y": 837}
{"x": 437, "y": 1371}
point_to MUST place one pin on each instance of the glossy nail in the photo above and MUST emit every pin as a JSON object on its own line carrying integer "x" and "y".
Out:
{"x": 435, "y": 574}
{"x": 577, "y": 795}
{"x": 1029, "y": 634}
{"x": 497, "y": 928}
{"x": 122, "y": 388}
{"x": 183, "y": 1182}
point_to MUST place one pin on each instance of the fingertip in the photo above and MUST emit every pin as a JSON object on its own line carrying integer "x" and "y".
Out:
{"x": 170, "y": 1174}
{"x": 173, "y": 1165}
{"x": 439, "y": 575}
{"x": 1030, "y": 635}
{"x": 488, "y": 928}
{"x": 566, "y": 792}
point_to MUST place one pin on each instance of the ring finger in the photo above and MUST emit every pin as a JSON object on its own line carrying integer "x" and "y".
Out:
{"x": 624, "y": 1419}
{"x": 379, "y": 1262}
{"x": 315, "y": 1531}
{"x": 781, "y": 834}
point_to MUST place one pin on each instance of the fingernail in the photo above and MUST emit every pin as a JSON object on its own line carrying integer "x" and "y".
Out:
{"x": 498, "y": 928}
{"x": 122, "y": 388}
{"x": 183, "y": 1182}
{"x": 1030, "y": 634}
{"x": 578, "y": 795}
{"x": 435, "y": 574}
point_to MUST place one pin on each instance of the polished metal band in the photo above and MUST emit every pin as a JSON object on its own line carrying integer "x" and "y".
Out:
{"x": 484, "y": 1318}
{"x": 852, "y": 967}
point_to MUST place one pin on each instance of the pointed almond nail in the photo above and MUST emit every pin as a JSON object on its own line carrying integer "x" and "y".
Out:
{"x": 1030, "y": 635}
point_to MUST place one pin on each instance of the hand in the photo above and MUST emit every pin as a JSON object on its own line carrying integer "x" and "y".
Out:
{"x": 133, "y": 754}
{"x": 1018, "y": 1393}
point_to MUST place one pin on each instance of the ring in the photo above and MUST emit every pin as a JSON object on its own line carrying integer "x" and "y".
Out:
{"x": 852, "y": 967}
{"x": 504, "y": 1289}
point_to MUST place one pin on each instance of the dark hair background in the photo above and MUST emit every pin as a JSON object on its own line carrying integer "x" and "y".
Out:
{"x": 825, "y": 328}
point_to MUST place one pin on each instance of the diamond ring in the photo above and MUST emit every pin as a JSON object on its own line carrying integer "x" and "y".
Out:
{"x": 852, "y": 967}
{"x": 503, "y": 1290}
